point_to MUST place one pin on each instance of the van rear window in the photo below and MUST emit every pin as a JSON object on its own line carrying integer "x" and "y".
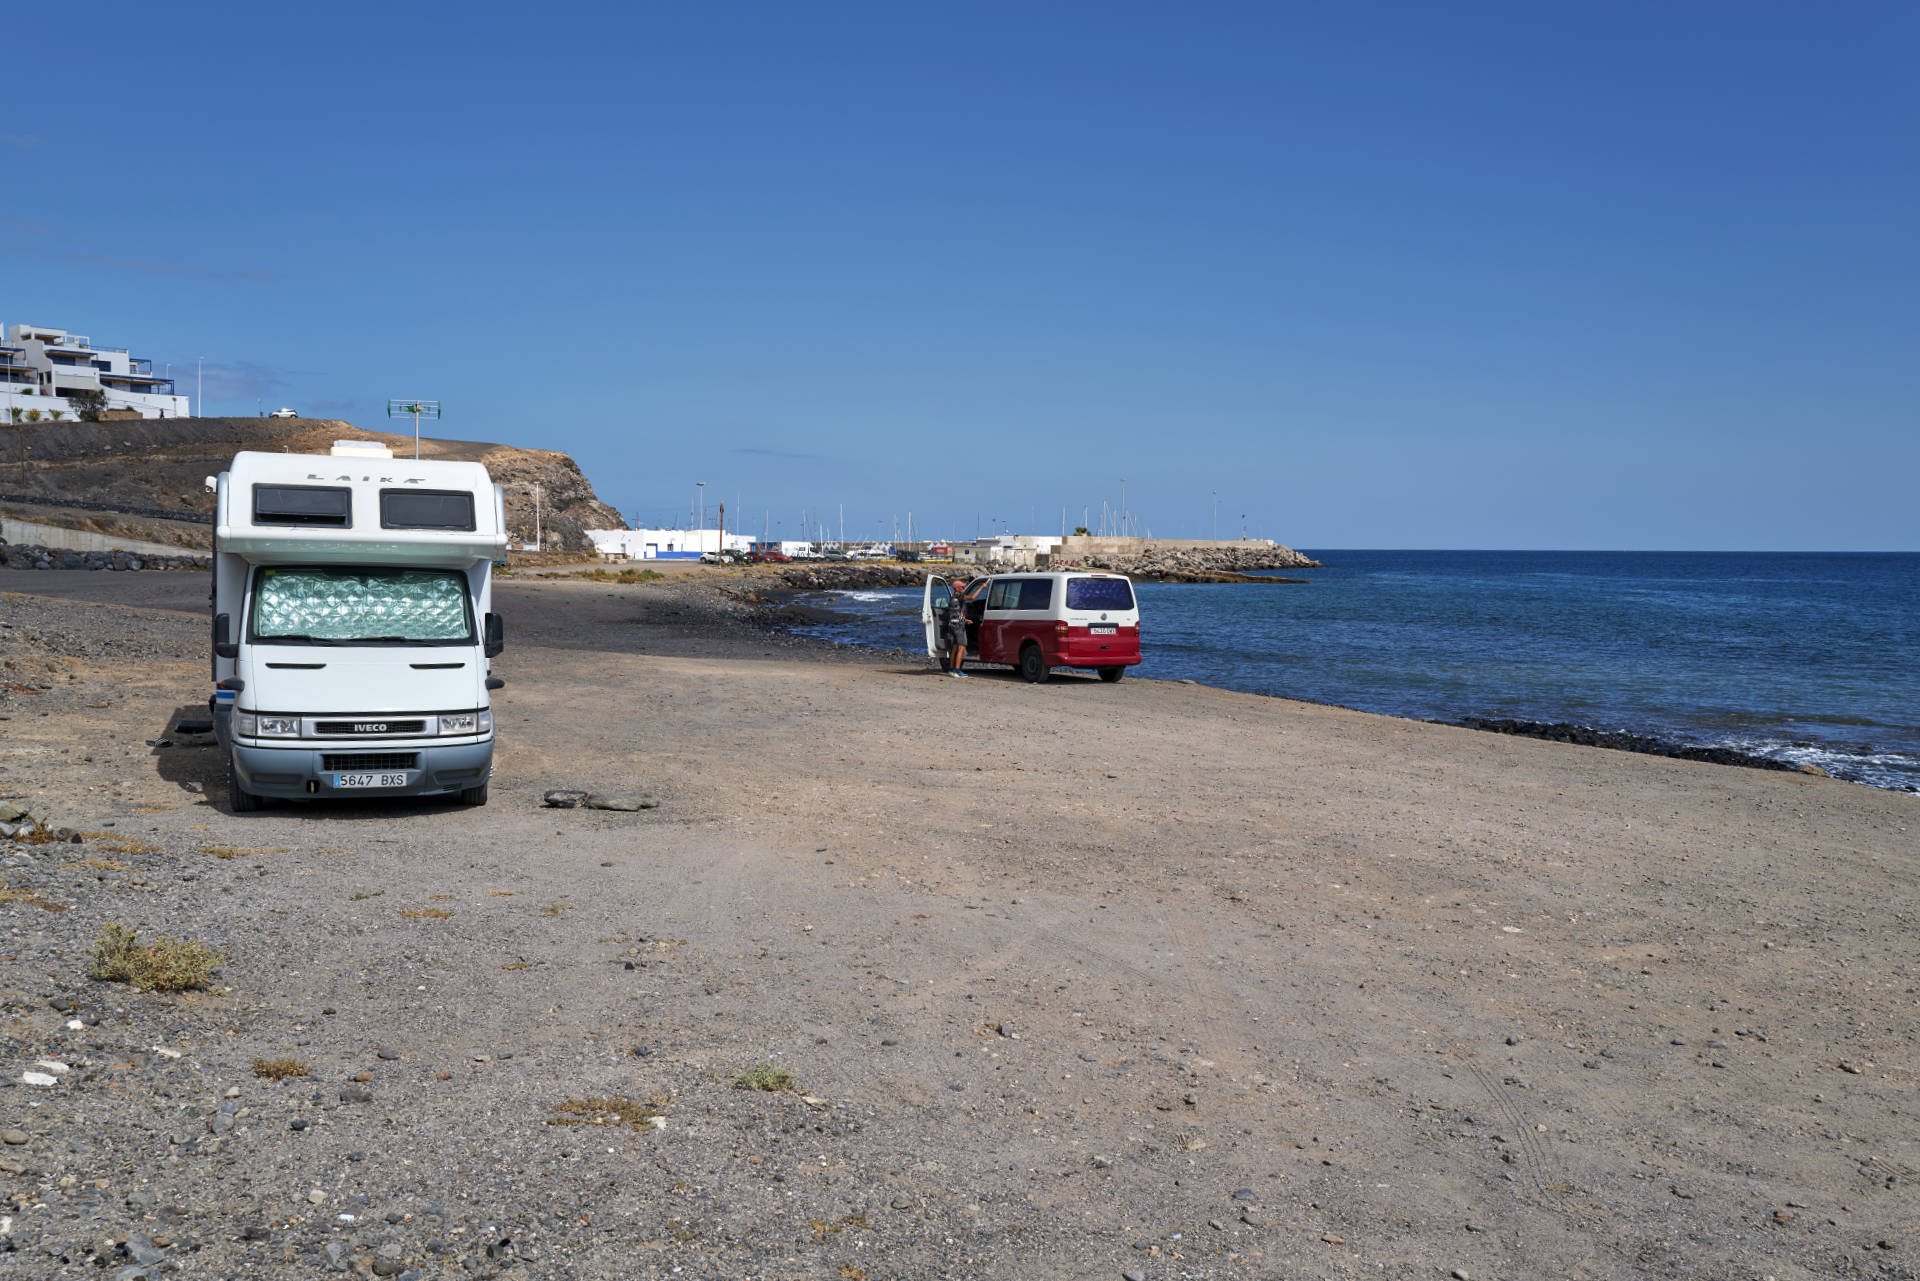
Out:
{"x": 302, "y": 505}
{"x": 426, "y": 509}
{"x": 1099, "y": 593}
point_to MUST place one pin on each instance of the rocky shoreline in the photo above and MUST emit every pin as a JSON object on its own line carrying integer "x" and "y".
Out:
{"x": 1622, "y": 741}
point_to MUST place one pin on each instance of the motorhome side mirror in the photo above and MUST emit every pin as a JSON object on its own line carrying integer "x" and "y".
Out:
{"x": 223, "y": 643}
{"x": 496, "y": 635}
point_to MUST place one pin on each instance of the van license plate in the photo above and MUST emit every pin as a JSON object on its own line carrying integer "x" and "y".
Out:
{"x": 1101, "y": 631}
{"x": 369, "y": 780}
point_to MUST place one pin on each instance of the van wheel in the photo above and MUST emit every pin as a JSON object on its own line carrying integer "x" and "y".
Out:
{"x": 239, "y": 800}
{"x": 1111, "y": 675}
{"x": 474, "y": 795}
{"x": 1033, "y": 664}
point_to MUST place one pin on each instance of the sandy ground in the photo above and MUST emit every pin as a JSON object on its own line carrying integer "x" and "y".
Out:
{"x": 1085, "y": 980}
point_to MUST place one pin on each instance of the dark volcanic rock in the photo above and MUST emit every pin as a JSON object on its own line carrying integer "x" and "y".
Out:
{"x": 1587, "y": 736}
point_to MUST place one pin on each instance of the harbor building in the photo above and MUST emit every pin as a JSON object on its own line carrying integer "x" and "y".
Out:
{"x": 664, "y": 544}
{"x": 42, "y": 369}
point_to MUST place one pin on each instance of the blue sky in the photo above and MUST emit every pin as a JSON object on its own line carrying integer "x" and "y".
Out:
{"x": 1482, "y": 275}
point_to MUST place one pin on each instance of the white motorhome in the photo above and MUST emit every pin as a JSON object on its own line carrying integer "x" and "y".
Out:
{"x": 353, "y": 624}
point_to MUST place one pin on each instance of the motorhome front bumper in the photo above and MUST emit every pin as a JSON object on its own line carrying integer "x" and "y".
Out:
{"x": 362, "y": 769}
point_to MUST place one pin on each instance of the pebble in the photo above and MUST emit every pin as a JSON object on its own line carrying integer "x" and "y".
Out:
{"x": 622, "y": 801}
{"x": 356, "y": 1094}
{"x": 1133, "y": 1274}
{"x": 385, "y": 1053}
{"x": 562, "y": 799}
{"x": 38, "y": 1078}
{"x": 141, "y": 1249}
{"x": 13, "y": 1138}
{"x": 316, "y": 1196}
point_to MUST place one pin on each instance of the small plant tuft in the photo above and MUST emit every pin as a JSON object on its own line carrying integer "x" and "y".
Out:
{"x": 279, "y": 1069}
{"x": 554, "y": 909}
{"x": 16, "y": 894}
{"x": 427, "y": 913}
{"x": 167, "y": 964}
{"x": 614, "y": 1111}
{"x": 769, "y": 1077}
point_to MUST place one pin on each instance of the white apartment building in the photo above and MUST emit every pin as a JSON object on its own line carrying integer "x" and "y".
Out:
{"x": 41, "y": 367}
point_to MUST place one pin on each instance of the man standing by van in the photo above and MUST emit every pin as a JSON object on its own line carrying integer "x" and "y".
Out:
{"x": 956, "y": 629}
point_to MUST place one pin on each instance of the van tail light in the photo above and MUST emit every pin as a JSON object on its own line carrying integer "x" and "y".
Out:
{"x": 1060, "y": 629}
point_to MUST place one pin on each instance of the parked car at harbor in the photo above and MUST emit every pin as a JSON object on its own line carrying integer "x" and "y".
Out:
{"x": 1037, "y": 622}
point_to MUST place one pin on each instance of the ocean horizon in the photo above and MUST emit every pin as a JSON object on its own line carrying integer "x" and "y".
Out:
{"x": 1810, "y": 658}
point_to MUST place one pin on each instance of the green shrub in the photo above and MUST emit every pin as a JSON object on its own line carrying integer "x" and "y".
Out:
{"x": 767, "y": 1076}
{"x": 167, "y": 964}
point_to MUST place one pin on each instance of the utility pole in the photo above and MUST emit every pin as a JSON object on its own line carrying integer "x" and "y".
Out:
{"x": 700, "y": 490}
{"x": 1123, "y": 507}
{"x": 200, "y": 388}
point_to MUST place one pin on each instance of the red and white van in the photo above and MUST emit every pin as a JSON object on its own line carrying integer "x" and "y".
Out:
{"x": 1040, "y": 621}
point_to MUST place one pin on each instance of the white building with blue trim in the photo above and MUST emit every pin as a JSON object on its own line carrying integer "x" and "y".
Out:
{"x": 42, "y": 369}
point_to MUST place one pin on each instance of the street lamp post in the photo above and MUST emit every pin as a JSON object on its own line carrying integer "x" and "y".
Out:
{"x": 200, "y": 387}
{"x": 538, "y": 541}
{"x": 700, "y": 496}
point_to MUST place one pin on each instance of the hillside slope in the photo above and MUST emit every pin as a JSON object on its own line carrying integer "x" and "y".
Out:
{"x": 155, "y": 469}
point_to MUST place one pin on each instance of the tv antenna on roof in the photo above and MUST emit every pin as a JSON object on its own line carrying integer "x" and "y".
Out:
{"x": 419, "y": 409}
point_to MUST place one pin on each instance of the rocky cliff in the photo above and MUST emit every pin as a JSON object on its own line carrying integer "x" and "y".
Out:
{"x": 148, "y": 476}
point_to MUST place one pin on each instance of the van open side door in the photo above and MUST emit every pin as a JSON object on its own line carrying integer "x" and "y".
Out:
{"x": 931, "y": 604}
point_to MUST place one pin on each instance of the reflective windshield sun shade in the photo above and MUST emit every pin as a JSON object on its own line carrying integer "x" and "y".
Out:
{"x": 1099, "y": 593}
{"x": 343, "y": 606}
{"x": 302, "y": 505}
{"x": 426, "y": 509}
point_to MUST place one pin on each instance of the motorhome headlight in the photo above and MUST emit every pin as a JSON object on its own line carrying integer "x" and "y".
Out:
{"x": 457, "y": 723}
{"x": 244, "y": 725}
{"x": 486, "y": 723}
{"x": 279, "y": 727}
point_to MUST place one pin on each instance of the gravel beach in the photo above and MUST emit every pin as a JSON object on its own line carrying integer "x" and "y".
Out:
{"x": 908, "y": 977}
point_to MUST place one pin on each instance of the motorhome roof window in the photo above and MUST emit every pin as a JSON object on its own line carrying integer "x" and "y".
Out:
{"x": 302, "y": 505}
{"x": 426, "y": 509}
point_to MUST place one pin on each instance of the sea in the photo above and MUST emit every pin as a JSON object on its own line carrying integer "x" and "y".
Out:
{"x": 1809, "y": 658}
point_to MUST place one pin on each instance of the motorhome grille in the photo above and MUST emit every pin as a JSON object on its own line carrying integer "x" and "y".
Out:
{"x": 354, "y": 729}
{"x": 369, "y": 760}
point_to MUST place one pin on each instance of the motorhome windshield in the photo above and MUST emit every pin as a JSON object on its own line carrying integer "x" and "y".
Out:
{"x": 361, "y": 606}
